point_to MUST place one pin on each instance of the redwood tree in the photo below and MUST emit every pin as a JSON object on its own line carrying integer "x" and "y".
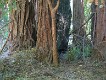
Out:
{"x": 44, "y": 34}
{"x": 23, "y": 25}
{"x": 29, "y": 17}
{"x": 99, "y": 24}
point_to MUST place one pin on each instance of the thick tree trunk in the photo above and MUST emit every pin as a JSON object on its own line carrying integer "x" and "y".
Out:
{"x": 23, "y": 27}
{"x": 98, "y": 21}
{"x": 44, "y": 33}
{"x": 100, "y": 29}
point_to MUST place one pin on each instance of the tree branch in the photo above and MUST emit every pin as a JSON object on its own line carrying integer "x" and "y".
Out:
{"x": 57, "y": 5}
{"x": 92, "y": 15}
{"x": 50, "y": 5}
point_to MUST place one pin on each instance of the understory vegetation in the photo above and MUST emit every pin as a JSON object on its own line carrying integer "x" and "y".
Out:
{"x": 23, "y": 66}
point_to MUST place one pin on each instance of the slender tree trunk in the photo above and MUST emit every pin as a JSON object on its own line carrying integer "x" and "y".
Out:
{"x": 78, "y": 31}
{"x": 53, "y": 17}
{"x": 93, "y": 22}
{"x": 55, "y": 53}
{"x": 77, "y": 22}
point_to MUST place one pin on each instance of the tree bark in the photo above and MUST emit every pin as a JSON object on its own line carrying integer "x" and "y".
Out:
{"x": 93, "y": 22}
{"x": 53, "y": 17}
{"x": 79, "y": 32}
{"x": 44, "y": 33}
{"x": 23, "y": 27}
{"x": 100, "y": 29}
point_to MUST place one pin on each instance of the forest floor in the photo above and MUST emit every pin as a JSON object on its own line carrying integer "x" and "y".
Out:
{"x": 23, "y": 66}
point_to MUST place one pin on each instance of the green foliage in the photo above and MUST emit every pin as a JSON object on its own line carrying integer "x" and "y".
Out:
{"x": 87, "y": 14}
{"x": 75, "y": 52}
{"x": 25, "y": 78}
{"x": 87, "y": 51}
{"x": 87, "y": 10}
{"x": 12, "y": 5}
{"x": 4, "y": 20}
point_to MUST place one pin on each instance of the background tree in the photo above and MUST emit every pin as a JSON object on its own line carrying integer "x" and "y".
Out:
{"x": 93, "y": 21}
{"x": 63, "y": 25}
{"x": 100, "y": 28}
{"x": 78, "y": 30}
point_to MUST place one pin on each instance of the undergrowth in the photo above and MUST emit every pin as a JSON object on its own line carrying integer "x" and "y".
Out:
{"x": 22, "y": 65}
{"x": 75, "y": 53}
{"x": 19, "y": 66}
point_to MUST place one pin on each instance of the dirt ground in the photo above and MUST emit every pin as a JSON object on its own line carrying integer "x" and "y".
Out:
{"x": 23, "y": 66}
